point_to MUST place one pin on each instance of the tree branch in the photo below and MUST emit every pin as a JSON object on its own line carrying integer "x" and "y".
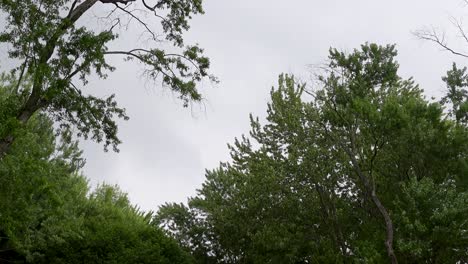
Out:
{"x": 140, "y": 58}
{"x": 72, "y": 8}
{"x": 458, "y": 25}
{"x": 139, "y": 20}
{"x": 20, "y": 79}
{"x": 439, "y": 40}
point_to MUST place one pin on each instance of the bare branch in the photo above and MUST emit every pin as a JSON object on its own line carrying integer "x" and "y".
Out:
{"x": 111, "y": 12}
{"x": 117, "y": 22}
{"x": 154, "y": 7}
{"x": 139, "y": 20}
{"x": 434, "y": 36}
{"x": 457, "y": 23}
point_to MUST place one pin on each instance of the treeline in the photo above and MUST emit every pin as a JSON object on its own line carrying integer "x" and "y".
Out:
{"x": 358, "y": 167}
{"x": 362, "y": 168}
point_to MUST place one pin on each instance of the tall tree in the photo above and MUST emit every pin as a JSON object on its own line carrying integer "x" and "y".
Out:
{"x": 55, "y": 52}
{"x": 340, "y": 174}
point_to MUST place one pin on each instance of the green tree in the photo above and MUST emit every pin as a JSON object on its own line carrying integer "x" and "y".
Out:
{"x": 114, "y": 231}
{"x": 363, "y": 169}
{"x": 55, "y": 52}
{"x": 49, "y": 215}
{"x": 457, "y": 81}
{"x": 34, "y": 207}
{"x": 40, "y": 192}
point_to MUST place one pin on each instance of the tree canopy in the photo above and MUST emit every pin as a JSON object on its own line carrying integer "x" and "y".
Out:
{"x": 57, "y": 54}
{"x": 360, "y": 168}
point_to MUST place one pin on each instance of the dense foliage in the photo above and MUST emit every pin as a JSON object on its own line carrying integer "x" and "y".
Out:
{"x": 49, "y": 215}
{"x": 361, "y": 169}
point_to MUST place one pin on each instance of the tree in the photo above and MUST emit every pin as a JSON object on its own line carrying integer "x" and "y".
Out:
{"x": 55, "y": 52}
{"x": 114, "y": 231}
{"x": 362, "y": 169}
{"x": 49, "y": 215}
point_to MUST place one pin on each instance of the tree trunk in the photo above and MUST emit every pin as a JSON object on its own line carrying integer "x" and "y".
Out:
{"x": 5, "y": 144}
{"x": 383, "y": 211}
{"x": 34, "y": 102}
{"x": 7, "y": 141}
{"x": 388, "y": 227}
{"x": 370, "y": 190}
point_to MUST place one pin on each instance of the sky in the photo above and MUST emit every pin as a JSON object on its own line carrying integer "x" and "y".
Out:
{"x": 166, "y": 148}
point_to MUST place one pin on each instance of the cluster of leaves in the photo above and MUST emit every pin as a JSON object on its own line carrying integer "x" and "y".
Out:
{"x": 49, "y": 215}
{"x": 332, "y": 169}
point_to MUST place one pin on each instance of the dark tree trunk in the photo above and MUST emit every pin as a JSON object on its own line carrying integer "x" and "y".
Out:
{"x": 5, "y": 144}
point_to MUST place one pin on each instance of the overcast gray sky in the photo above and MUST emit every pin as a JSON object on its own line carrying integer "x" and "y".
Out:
{"x": 166, "y": 148}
